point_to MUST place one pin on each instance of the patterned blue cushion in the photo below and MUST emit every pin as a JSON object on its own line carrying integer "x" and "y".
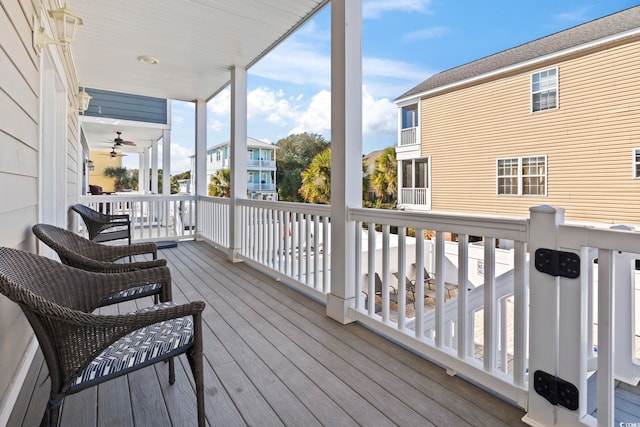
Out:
{"x": 137, "y": 292}
{"x": 140, "y": 348}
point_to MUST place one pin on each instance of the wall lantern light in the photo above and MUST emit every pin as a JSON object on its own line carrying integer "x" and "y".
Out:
{"x": 90, "y": 165}
{"x": 66, "y": 23}
{"x": 83, "y": 99}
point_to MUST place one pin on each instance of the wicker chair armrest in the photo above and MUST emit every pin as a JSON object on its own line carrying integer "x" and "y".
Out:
{"x": 119, "y": 217}
{"x": 114, "y": 267}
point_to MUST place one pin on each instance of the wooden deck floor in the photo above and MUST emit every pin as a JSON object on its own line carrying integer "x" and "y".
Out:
{"x": 272, "y": 358}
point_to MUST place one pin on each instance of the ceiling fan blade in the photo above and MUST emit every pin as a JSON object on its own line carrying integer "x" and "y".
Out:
{"x": 128, "y": 143}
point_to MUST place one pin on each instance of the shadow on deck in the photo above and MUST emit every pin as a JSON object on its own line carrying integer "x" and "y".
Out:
{"x": 272, "y": 357}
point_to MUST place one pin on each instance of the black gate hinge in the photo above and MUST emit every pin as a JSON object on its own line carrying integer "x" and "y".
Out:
{"x": 558, "y": 263}
{"x": 556, "y": 390}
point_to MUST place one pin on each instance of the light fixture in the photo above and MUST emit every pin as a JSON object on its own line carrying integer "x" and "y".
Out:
{"x": 146, "y": 59}
{"x": 66, "y": 23}
{"x": 83, "y": 99}
{"x": 90, "y": 165}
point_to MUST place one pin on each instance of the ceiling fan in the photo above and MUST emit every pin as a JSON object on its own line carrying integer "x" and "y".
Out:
{"x": 113, "y": 154}
{"x": 119, "y": 142}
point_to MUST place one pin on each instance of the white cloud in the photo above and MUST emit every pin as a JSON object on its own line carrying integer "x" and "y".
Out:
{"x": 180, "y": 161}
{"x": 317, "y": 117}
{"x": 216, "y": 125}
{"x": 376, "y": 8}
{"x": 425, "y": 33}
{"x": 295, "y": 64}
{"x": 580, "y": 15}
{"x": 221, "y": 103}
{"x": 379, "y": 116}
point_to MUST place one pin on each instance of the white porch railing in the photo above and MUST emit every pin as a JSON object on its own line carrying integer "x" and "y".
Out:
{"x": 215, "y": 220}
{"x": 291, "y": 240}
{"x": 415, "y": 196}
{"x": 566, "y": 313}
{"x": 153, "y": 217}
{"x": 478, "y": 320}
{"x": 469, "y": 333}
{"x": 408, "y": 136}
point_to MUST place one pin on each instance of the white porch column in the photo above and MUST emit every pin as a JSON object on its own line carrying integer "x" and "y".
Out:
{"x": 201, "y": 158}
{"x": 143, "y": 175}
{"x": 238, "y": 156}
{"x": 166, "y": 162}
{"x": 154, "y": 167}
{"x": 346, "y": 151}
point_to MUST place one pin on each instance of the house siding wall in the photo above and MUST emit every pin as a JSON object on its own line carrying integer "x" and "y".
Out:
{"x": 588, "y": 140}
{"x": 19, "y": 162}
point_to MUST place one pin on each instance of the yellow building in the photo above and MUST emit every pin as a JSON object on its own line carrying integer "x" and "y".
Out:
{"x": 101, "y": 161}
{"x": 554, "y": 122}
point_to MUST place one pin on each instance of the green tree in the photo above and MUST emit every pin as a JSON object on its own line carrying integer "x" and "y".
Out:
{"x": 295, "y": 154}
{"x": 384, "y": 178}
{"x": 122, "y": 179}
{"x": 316, "y": 179}
{"x": 220, "y": 183}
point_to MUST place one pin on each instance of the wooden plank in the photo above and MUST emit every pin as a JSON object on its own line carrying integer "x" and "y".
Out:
{"x": 474, "y": 413}
{"x": 374, "y": 383}
{"x": 239, "y": 388}
{"x": 39, "y": 398}
{"x": 274, "y": 353}
{"x": 80, "y": 409}
{"x": 20, "y": 409}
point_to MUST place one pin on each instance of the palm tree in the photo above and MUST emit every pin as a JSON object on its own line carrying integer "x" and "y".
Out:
{"x": 384, "y": 179}
{"x": 316, "y": 179}
{"x": 121, "y": 175}
{"x": 220, "y": 183}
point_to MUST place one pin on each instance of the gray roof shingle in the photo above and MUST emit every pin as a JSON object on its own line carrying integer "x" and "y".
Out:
{"x": 607, "y": 26}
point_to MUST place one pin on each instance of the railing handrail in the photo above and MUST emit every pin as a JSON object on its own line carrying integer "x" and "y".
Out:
{"x": 510, "y": 228}
{"x": 303, "y": 208}
{"x": 107, "y": 198}
{"x": 221, "y": 200}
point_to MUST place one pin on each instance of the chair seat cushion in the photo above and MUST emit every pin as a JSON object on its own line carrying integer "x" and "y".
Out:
{"x": 143, "y": 347}
{"x": 132, "y": 293}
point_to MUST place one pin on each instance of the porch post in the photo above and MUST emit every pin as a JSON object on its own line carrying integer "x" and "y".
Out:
{"x": 143, "y": 173}
{"x": 346, "y": 151}
{"x": 238, "y": 155}
{"x": 557, "y": 319}
{"x": 166, "y": 162}
{"x": 154, "y": 167}
{"x": 200, "y": 158}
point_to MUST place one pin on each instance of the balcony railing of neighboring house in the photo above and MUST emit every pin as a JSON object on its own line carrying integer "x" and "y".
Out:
{"x": 408, "y": 136}
{"x": 475, "y": 318}
{"x": 256, "y": 186}
{"x": 152, "y": 217}
{"x": 414, "y": 196}
{"x": 259, "y": 163}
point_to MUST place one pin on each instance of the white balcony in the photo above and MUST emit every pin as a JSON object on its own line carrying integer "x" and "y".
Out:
{"x": 409, "y": 136}
{"x": 420, "y": 197}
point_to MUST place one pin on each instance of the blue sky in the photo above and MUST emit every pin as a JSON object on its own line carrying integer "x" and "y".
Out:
{"x": 404, "y": 42}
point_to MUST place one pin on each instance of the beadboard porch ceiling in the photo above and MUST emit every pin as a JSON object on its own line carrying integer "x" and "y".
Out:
{"x": 196, "y": 42}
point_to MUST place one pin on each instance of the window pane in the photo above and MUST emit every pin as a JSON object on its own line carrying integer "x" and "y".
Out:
{"x": 422, "y": 174}
{"x": 407, "y": 174}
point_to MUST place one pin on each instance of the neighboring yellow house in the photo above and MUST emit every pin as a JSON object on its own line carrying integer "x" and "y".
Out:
{"x": 101, "y": 161}
{"x": 555, "y": 121}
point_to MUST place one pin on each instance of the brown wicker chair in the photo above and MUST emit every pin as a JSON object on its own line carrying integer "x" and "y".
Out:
{"x": 83, "y": 349}
{"x": 79, "y": 252}
{"x": 104, "y": 227}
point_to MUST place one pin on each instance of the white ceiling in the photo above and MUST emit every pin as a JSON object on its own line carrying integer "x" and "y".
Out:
{"x": 197, "y": 42}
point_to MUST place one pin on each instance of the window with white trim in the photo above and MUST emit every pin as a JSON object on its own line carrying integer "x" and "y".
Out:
{"x": 636, "y": 162}
{"x": 544, "y": 90}
{"x": 522, "y": 176}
